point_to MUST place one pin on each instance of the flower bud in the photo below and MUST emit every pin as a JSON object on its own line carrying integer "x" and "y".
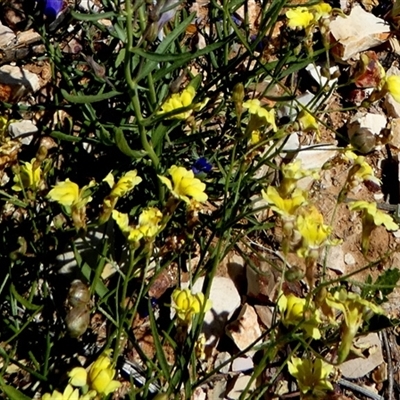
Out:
{"x": 77, "y": 321}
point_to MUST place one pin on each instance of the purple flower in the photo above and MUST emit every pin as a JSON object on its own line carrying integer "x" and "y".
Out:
{"x": 51, "y": 8}
{"x": 201, "y": 165}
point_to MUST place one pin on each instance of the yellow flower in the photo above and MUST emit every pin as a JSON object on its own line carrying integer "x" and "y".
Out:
{"x": 125, "y": 184}
{"x": 187, "y": 305}
{"x": 148, "y": 226}
{"x": 101, "y": 374}
{"x": 287, "y": 208}
{"x": 321, "y": 10}
{"x": 311, "y": 375}
{"x": 308, "y": 122}
{"x": 69, "y": 394}
{"x": 255, "y": 137}
{"x": 295, "y": 311}
{"x": 68, "y": 194}
{"x": 259, "y": 115}
{"x": 200, "y": 346}
{"x": 185, "y": 185}
{"x": 28, "y": 177}
{"x": 149, "y": 222}
{"x": 371, "y": 218}
{"x": 393, "y": 86}
{"x": 177, "y": 101}
{"x": 361, "y": 170}
{"x": 355, "y": 310}
{"x": 78, "y": 377}
{"x": 299, "y": 17}
{"x": 314, "y": 233}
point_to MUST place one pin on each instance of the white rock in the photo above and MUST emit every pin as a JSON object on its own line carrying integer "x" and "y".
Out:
{"x": 335, "y": 259}
{"x": 11, "y": 75}
{"x": 359, "y": 367}
{"x": 245, "y": 330}
{"x": 225, "y": 300}
{"x": 23, "y": 130}
{"x": 6, "y": 36}
{"x": 292, "y": 144}
{"x": 349, "y": 259}
{"x": 242, "y": 364}
{"x": 221, "y": 358}
{"x": 315, "y": 72}
{"x": 314, "y": 157}
{"x": 199, "y": 394}
{"x": 88, "y": 6}
{"x": 359, "y": 31}
{"x": 373, "y": 122}
{"x": 239, "y": 386}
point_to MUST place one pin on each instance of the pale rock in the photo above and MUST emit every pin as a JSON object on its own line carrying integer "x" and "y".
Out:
{"x": 314, "y": 157}
{"x": 315, "y": 72}
{"x": 396, "y": 234}
{"x": 88, "y": 6}
{"x": 6, "y": 36}
{"x": 240, "y": 385}
{"x": 349, "y": 259}
{"x": 12, "y": 75}
{"x": 265, "y": 313}
{"x": 199, "y": 394}
{"x": 358, "y": 32}
{"x": 335, "y": 260}
{"x": 395, "y": 131}
{"x": 225, "y": 301}
{"x": 359, "y": 367}
{"x": 23, "y": 130}
{"x": 374, "y": 123}
{"x": 292, "y": 145}
{"x": 223, "y": 358}
{"x": 242, "y": 364}
{"x": 245, "y": 330}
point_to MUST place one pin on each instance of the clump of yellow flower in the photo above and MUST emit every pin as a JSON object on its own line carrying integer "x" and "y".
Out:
{"x": 293, "y": 172}
{"x": 299, "y": 17}
{"x": 314, "y": 233}
{"x": 69, "y": 394}
{"x": 371, "y": 218}
{"x": 308, "y": 122}
{"x": 148, "y": 224}
{"x": 184, "y": 185}
{"x": 74, "y": 199}
{"x": 179, "y": 100}
{"x": 321, "y": 10}
{"x": 296, "y": 312}
{"x": 355, "y": 310}
{"x": 360, "y": 172}
{"x": 28, "y": 177}
{"x": 78, "y": 377}
{"x": 259, "y": 116}
{"x": 311, "y": 375}
{"x": 187, "y": 305}
{"x": 392, "y": 85}
{"x": 124, "y": 185}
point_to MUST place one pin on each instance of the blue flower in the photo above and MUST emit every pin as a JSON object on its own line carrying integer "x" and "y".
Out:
{"x": 51, "y": 8}
{"x": 201, "y": 165}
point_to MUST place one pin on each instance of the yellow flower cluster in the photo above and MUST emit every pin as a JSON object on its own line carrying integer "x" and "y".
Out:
{"x": 360, "y": 172}
{"x": 29, "y": 176}
{"x": 177, "y": 101}
{"x": 259, "y": 116}
{"x": 149, "y": 224}
{"x": 187, "y": 305}
{"x": 392, "y": 85}
{"x": 96, "y": 383}
{"x": 296, "y": 312}
{"x": 304, "y": 17}
{"x": 184, "y": 185}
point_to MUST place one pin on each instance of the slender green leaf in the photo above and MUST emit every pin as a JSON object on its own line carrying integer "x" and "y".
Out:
{"x": 12, "y": 393}
{"x": 82, "y": 99}
{"x": 124, "y": 146}
{"x": 28, "y": 305}
{"x": 93, "y": 17}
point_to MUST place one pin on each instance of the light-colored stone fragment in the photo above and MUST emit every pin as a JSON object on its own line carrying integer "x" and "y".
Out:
{"x": 349, "y": 259}
{"x": 239, "y": 386}
{"x": 359, "y": 367}
{"x": 395, "y": 132}
{"x": 12, "y": 75}
{"x": 335, "y": 259}
{"x": 314, "y": 157}
{"x": 23, "y": 130}
{"x": 315, "y": 72}
{"x": 265, "y": 313}
{"x": 242, "y": 364}
{"x": 374, "y": 123}
{"x": 245, "y": 330}
{"x": 225, "y": 300}
{"x": 358, "y": 32}
{"x": 6, "y": 36}
{"x": 222, "y": 358}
